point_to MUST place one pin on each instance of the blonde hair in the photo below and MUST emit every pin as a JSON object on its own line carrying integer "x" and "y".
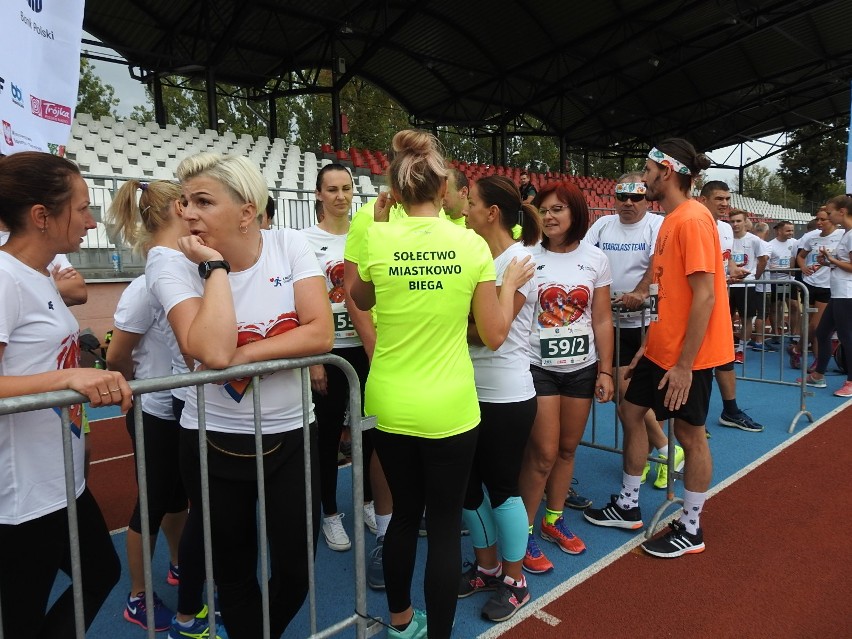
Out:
{"x": 238, "y": 174}
{"x": 138, "y": 221}
{"x": 417, "y": 171}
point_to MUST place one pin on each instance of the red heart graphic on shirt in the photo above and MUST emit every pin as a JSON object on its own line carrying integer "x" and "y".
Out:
{"x": 248, "y": 333}
{"x": 561, "y": 305}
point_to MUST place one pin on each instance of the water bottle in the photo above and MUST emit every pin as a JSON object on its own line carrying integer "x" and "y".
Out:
{"x": 116, "y": 261}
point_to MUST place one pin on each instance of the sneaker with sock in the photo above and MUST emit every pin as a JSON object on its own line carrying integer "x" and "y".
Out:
{"x": 173, "y": 576}
{"x": 534, "y": 560}
{"x": 739, "y": 357}
{"x": 810, "y": 380}
{"x": 506, "y": 601}
{"x": 662, "y": 480}
{"x": 416, "y": 629}
{"x": 614, "y": 516}
{"x": 197, "y": 629}
{"x": 740, "y": 420}
{"x": 370, "y": 517}
{"x": 136, "y": 611}
{"x": 559, "y": 533}
{"x": 575, "y": 500}
{"x": 675, "y": 543}
{"x": 375, "y": 566}
{"x": 335, "y": 535}
{"x": 763, "y": 347}
{"x": 474, "y": 580}
{"x": 845, "y": 390}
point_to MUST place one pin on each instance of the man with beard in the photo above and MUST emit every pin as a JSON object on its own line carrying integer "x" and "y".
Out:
{"x": 689, "y": 337}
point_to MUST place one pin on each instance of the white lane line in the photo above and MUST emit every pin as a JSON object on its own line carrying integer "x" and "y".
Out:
{"x": 107, "y": 459}
{"x": 532, "y": 609}
{"x": 547, "y": 618}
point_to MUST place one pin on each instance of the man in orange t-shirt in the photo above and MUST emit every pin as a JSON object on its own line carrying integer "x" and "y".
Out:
{"x": 690, "y": 335}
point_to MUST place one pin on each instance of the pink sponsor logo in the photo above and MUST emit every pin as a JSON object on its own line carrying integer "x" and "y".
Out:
{"x": 7, "y": 133}
{"x": 50, "y": 110}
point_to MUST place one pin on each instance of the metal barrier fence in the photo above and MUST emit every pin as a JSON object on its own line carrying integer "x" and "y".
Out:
{"x": 783, "y": 293}
{"x": 783, "y": 290}
{"x": 365, "y": 625}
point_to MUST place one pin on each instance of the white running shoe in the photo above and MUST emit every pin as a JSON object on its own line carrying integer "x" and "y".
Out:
{"x": 370, "y": 517}
{"x": 335, "y": 535}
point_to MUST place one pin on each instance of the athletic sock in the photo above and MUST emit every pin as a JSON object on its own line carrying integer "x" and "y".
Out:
{"x": 517, "y": 584}
{"x": 662, "y": 452}
{"x": 382, "y": 523}
{"x": 551, "y": 516}
{"x": 729, "y": 406}
{"x": 690, "y": 517}
{"x": 491, "y": 571}
{"x": 629, "y": 496}
{"x": 135, "y": 598}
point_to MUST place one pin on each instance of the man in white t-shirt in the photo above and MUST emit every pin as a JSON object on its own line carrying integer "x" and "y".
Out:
{"x": 716, "y": 196}
{"x": 628, "y": 239}
{"x": 782, "y": 253}
{"x": 750, "y": 254}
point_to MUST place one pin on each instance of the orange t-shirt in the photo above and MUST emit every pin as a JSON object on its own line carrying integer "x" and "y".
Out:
{"x": 688, "y": 242}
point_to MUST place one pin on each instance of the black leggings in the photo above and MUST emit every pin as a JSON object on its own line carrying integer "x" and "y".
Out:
{"x": 32, "y": 553}
{"x": 234, "y": 525}
{"x": 191, "y": 596}
{"x": 431, "y": 473}
{"x": 503, "y": 434}
{"x": 162, "y": 461}
{"x": 837, "y": 316}
{"x": 330, "y": 410}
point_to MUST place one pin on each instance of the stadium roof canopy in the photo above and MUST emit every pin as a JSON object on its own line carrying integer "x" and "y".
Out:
{"x": 606, "y": 75}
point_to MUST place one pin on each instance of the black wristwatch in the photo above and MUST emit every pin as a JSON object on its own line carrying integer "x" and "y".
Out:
{"x": 205, "y": 268}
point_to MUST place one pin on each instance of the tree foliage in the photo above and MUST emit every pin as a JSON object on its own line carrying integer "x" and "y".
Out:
{"x": 93, "y": 95}
{"x": 815, "y": 164}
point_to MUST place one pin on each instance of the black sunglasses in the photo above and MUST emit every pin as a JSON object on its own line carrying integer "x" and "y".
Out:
{"x": 633, "y": 197}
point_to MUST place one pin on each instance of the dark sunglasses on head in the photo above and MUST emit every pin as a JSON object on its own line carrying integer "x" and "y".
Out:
{"x": 633, "y": 197}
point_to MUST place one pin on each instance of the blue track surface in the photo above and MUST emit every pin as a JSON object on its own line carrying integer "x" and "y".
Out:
{"x": 599, "y": 474}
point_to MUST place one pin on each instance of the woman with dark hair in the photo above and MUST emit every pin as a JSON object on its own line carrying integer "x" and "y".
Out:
{"x": 44, "y": 203}
{"x": 507, "y": 404}
{"x": 837, "y": 315}
{"x": 245, "y": 295}
{"x": 570, "y": 350}
{"x": 424, "y": 276}
{"x": 329, "y": 385}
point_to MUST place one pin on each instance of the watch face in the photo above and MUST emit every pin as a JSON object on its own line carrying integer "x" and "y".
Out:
{"x": 203, "y": 270}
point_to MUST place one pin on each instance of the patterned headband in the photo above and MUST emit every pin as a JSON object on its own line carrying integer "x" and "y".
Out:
{"x": 666, "y": 160}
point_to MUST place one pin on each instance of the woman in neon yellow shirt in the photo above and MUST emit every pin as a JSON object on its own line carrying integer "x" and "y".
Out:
{"x": 424, "y": 275}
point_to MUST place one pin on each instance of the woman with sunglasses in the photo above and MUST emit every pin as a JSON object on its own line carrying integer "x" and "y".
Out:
{"x": 570, "y": 351}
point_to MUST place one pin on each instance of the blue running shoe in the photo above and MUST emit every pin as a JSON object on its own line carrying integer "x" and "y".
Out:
{"x": 136, "y": 611}
{"x": 375, "y": 566}
{"x": 199, "y": 629}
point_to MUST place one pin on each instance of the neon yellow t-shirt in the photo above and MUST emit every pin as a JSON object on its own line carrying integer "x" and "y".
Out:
{"x": 424, "y": 271}
{"x": 458, "y": 221}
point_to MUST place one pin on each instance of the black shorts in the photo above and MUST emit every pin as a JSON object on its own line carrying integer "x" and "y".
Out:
{"x": 629, "y": 342}
{"x": 643, "y": 392}
{"x": 580, "y": 383}
{"x": 742, "y": 296}
{"x": 818, "y": 294}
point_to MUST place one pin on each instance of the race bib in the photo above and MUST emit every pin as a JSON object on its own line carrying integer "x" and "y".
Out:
{"x": 564, "y": 345}
{"x": 654, "y": 299}
{"x": 343, "y": 326}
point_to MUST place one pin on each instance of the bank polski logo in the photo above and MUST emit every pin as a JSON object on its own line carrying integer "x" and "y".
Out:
{"x": 35, "y": 5}
{"x": 17, "y": 95}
